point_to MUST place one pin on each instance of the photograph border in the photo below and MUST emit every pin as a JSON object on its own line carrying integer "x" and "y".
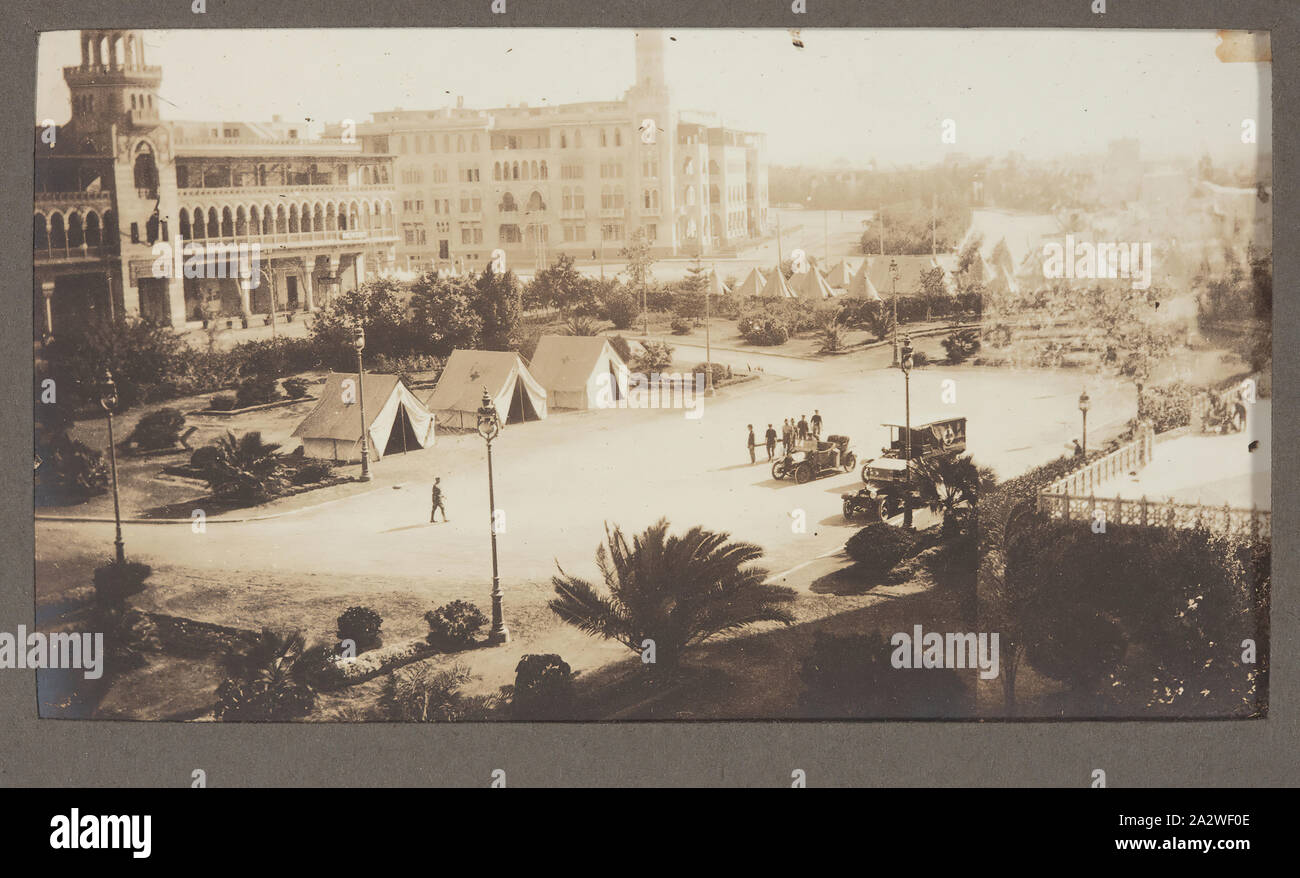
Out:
{"x": 860, "y": 753}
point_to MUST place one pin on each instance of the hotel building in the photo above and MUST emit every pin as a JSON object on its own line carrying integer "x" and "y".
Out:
{"x": 116, "y": 179}
{"x": 577, "y": 179}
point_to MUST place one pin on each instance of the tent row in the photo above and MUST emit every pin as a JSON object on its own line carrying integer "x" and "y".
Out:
{"x": 568, "y": 372}
{"x": 873, "y": 279}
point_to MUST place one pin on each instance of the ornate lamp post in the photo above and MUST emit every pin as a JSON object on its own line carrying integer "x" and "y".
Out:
{"x": 359, "y": 342}
{"x": 108, "y": 400}
{"x": 489, "y": 427}
{"x": 1084, "y": 404}
{"x": 893, "y": 276}
{"x": 906, "y": 365}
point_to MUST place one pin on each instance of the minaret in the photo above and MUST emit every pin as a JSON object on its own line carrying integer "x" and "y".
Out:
{"x": 113, "y": 84}
{"x": 650, "y": 80}
{"x": 115, "y": 114}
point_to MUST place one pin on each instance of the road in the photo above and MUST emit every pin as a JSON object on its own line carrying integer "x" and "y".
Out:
{"x": 560, "y": 481}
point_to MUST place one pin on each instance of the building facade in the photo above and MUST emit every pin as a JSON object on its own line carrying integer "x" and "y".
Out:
{"x": 116, "y": 180}
{"x": 579, "y": 179}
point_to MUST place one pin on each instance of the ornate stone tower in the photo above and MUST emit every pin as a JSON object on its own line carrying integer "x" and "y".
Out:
{"x": 115, "y": 115}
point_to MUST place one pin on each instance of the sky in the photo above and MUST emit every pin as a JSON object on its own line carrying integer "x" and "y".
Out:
{"x": 846, "y": 97}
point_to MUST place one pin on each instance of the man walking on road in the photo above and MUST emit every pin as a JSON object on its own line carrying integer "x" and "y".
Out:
{"x": 437, "y": 502}
{"x": 770, "y": 436}
{"x": 817, "y": 424}
{"x": 752, "y": 458}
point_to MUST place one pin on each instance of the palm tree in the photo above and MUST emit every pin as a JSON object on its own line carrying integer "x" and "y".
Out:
{"x": 261, "y": 682}
{"x": 879, "y": 320}
{"x": 946, "y": 482}
{"x": 245, "y": 468}
{"x": 673, "y": 591}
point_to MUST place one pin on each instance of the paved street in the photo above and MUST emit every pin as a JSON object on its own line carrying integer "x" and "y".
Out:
{"x": 559, "y": 481}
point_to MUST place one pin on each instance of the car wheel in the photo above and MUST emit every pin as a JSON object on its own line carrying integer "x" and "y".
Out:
{"x": 848, "y": 510}
{"x": 803, "y": 473}
{"x": 864, "y": 471}
{"x": 778, "y": 470}
{"x": 850, "y": 461}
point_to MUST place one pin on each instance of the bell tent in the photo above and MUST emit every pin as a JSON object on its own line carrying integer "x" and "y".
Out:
{"x": 579, "y": 372}
{"x": 397, "y": 421}
{"x": 512, "y": 388}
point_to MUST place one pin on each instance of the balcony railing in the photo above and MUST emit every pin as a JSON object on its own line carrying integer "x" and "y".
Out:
{"x": 208, "y": 191}
{"x": 72, "y": 252}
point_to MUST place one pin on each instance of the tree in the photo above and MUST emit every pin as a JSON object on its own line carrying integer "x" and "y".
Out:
{"x": 639, "y": 260}
{"x": 670, "y": 591}
{"x": 498, "y": 304}
{"x": 879, "y": 320}
{"x": 262, "y": 684}
{"x": 947, "y": 482}
{"x": 444, "y": 313}
{"x": 375, "y": 306}
{"x": 245, "y": 468}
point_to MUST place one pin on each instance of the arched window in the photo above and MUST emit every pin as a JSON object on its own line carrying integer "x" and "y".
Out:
{"x": 58, "y": 237}
{"x": 228, "y": 223}
{"x": 646, "y": 197}
{"x": 543, "y": 169}
{"x": 564, "y": 141}
{"x": 146, "y": 171}
{"x": 566, "y": 199}
{"x": 92, "y": 230}
{"x": 689, "y": 167}
{"x": 508, "y": 203}
{"x": 75, "y": 236}
{"x": 460, "y": 143}
{"x": 214, "y": 223}
{"x": 40, "y": 233}
{"x": 604, "y": 139}
{"x": 535, "y": 201}
{"x": 534, "y": 167}
{"x": 618, "y": 137}
{"x": 185, "y": 224}
{"x": 515, "y": 171}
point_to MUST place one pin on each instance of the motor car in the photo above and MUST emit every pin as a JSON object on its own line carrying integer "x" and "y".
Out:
{"x": 812, "y": 458}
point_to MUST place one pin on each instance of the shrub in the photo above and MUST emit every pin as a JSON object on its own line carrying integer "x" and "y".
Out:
{"x": 1167, "y": 406}
{"x": 851, "y": 676}
{"x": 719, "y": 372}
{"x": 309, "y": 472}
{"x": 361, "y": 626}
{"x": 580, "y": 324}
{"x": 263, "y": 683}
{"x": 160, "y": 429}
{"x": 766, "y": 331}
{"x": 961, "y": 345}
{"x": 115, "y": 582}
{"x": 655, "y": 356}
{"x": 680, "y": 326}
{"x": 70, "y": 471}
{"x": 257, "y": 390}
{"x": 920, "y": 359}
{"x": 295, "y": 387}
{"x": 879, "y": 546}
{"x": 622, "y": 309}
{"x": 222, "y": 402}
{"x": 427, "y": 694}
{"x": 455, "y": 625}
{"x": 543, "y": 687}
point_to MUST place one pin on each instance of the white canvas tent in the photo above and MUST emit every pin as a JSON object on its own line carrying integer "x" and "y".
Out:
{"x": 811, "y": 285}
{"x": 579, "y": 372}
{"x": 716, "y": 286}
{"x": 776, "y": 287}
{"x": 397, "y": 420}
{"x": 514, "y": 391}
{"x": 753, "y": 284}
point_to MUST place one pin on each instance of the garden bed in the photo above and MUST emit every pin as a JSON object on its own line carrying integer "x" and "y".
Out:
{"x": 279, "y": 403}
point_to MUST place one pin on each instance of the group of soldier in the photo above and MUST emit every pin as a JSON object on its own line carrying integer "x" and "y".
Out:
{"x": 792, "y": 431}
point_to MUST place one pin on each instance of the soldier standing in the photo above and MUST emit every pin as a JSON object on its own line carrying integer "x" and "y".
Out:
{"x": 437, "y": 502}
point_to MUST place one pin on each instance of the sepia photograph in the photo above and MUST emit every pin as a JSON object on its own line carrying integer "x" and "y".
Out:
{"x": 851, "y": 375}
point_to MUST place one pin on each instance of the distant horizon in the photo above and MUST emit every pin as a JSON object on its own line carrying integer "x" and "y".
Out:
{"x": 847, "y": 98}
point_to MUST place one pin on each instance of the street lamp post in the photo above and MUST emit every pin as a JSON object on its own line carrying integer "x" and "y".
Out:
{"x": 489, "y": 427}
{"x": 906, "y": 365}
{"x": 108, "y": 399}
{"x": 893, "y": 275}
{"x": 359, "y": 342}
{"x": 1084, "y": 404}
